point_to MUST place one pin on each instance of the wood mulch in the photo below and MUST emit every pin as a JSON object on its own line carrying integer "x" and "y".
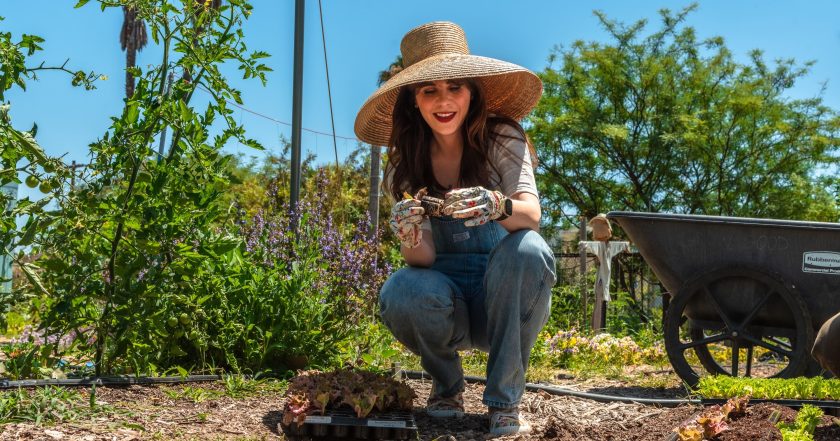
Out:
{"x": 140, "y": 413}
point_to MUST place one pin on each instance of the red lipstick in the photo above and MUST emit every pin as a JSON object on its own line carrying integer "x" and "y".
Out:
{"x": 444, "y": 117}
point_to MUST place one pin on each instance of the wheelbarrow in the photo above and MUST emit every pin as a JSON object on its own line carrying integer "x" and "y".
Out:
{"x": 746, "y": 294}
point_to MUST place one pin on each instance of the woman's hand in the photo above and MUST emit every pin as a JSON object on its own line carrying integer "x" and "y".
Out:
{"x": 406, "y": 217}
{"x": 476, "y": 204}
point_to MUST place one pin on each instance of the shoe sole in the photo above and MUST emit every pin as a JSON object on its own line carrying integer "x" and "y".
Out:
{"x": 445, "y": 413}
{"x": 502, "y": 431}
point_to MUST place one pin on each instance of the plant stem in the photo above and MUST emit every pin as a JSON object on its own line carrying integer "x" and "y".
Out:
{"x": 104, "y": 327}
{"x": 176, "y": 137}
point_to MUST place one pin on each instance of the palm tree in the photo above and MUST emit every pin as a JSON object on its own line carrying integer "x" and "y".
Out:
{"x": 132, "y": 39}
{"x": 393, "y": 69}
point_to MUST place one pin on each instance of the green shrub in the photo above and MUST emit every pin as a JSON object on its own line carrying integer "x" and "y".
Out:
{"x": 565, "y": 308}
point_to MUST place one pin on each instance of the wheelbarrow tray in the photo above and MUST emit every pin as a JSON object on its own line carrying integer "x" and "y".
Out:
{"x": 680, "y": 247}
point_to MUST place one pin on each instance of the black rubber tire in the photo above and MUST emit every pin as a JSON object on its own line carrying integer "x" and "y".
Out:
{"x": 803, "y": 334}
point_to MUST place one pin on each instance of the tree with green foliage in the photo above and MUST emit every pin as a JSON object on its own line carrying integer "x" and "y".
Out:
{"x": 667, "y": 122}
{"x": 127, "y": 247}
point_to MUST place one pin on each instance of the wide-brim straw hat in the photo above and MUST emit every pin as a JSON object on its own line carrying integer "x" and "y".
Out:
{"x": 438, "y": 51}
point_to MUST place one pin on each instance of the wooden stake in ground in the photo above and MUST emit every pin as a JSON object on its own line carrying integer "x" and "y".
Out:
{"x": 583, "y": 294}
{"x": 604, "y": 250}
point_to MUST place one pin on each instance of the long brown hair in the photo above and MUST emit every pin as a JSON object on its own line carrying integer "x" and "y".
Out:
{"x": 409, "y": 150}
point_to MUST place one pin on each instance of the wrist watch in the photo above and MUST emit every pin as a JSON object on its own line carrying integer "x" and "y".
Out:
{"x": 507, "y": 209}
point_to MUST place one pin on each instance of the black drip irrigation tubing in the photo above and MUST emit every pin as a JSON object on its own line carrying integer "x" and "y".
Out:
{"x": 107, "y": 381}
{"x": 126, "y": 380}
{"x": 663, "y": 402}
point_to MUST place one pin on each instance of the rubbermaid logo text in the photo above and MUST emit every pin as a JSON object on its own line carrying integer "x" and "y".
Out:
{"x": 827, "y": 262}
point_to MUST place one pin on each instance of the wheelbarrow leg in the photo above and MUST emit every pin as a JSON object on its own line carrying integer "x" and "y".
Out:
{"x": 748, "y": 372}
{"x": 736, "y": 351}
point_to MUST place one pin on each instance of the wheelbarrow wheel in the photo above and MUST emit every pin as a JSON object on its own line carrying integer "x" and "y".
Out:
{"x": 724, "y": 317}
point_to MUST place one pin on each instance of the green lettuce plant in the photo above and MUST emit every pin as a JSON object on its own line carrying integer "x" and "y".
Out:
{"x": 802, "y": 429}
{"x": 800, "y": 388}
{"x": 315, "y": 392}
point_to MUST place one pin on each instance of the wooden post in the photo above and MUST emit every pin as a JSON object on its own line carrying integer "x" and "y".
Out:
{"x": 583, "y": 292}
{"x": 297, "y": 105}
{"x": 373, "y": 198}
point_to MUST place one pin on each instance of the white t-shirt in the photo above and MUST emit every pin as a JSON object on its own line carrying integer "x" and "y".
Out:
{"x": 512, "y": 159}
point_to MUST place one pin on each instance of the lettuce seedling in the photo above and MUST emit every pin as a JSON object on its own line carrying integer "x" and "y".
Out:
{"x": 802, "y": 428}
{"x": 314, "y": 392}
{"x": 712, "y": 421}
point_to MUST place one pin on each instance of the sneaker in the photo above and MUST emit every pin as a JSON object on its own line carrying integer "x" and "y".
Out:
{"x": 450, "y": 407}
{"x": 508, "y": 422}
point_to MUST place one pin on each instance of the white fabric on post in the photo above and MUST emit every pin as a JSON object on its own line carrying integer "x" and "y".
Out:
{"x": 604, "y": 251}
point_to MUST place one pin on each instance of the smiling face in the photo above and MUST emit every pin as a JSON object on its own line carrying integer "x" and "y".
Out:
{"x": 443, "y": 105}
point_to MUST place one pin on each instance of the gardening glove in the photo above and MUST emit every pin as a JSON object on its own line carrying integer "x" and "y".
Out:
{"x": 476, "y": 204}
{"x": 406, "y": 217}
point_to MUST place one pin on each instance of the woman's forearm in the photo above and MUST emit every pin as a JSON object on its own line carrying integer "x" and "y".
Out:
{"x": 423, "y": 255}
{"x": 526, "y": 213}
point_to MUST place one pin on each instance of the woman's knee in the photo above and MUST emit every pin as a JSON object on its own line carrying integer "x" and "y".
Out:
{"x": 527, "y": 250}
{"x": 410, "y": 291}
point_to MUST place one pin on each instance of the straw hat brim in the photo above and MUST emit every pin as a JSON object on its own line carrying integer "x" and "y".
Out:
{"x": 510, "y": 90}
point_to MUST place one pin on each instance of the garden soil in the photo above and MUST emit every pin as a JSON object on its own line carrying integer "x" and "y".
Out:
{"x": 140, "y": 413}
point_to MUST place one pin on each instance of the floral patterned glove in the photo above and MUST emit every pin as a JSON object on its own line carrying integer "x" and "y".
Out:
{"x": 406, "y": 217}
{"x": 477, "y": 204}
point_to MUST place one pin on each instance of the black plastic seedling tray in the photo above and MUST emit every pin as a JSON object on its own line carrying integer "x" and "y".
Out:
{"x": 343, "y": 424}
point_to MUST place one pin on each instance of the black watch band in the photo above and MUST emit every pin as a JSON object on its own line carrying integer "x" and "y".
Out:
{"x": 507, "y": 209}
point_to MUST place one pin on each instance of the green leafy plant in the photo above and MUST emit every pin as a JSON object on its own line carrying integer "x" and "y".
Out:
{"x": 802, "y": 429}
{"x": 27, "y": 360}
{"x": 801, "y": 388}
{"x": 306, "y": 300}
{"x": 712, "y": 421}
{"x": 566, "y": 308}
{"x": 22, "y": 160}
{"x": 375, "y": 347}
{"x": 194, "y": 394}
{"x": 239, "y": 386}
{"x": 314, "y": 392}
{"x": 566, "y": 348}
{"x": 44, "y": 405}
{"x": 129, "y": 240}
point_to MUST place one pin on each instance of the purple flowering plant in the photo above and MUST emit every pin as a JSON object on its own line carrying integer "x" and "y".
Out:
{"x": 315, "y": 289}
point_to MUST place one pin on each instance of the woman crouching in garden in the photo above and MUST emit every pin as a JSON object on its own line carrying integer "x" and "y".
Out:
{"x": 479, "y": 274}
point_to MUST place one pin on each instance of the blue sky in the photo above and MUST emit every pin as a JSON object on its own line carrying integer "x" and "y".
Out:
{"x": 362, "y": 38}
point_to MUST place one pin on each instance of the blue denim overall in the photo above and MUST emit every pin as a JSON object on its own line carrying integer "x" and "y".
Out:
{"x": 488, "y": 290}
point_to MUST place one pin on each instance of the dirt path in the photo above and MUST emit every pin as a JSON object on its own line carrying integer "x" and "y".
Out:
{"x": 171, "y": 412}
